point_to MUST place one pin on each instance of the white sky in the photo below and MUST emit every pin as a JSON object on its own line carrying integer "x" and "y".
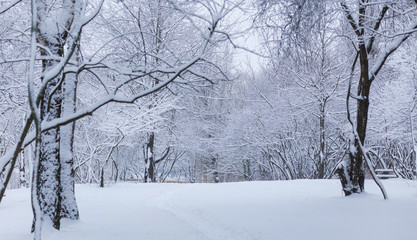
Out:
{"x": 244, "y": 60}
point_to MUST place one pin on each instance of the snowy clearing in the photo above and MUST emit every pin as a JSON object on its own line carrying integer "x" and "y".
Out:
{"x": 301, "y": 209}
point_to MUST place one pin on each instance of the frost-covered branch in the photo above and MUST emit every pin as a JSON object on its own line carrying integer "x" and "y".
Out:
{"x": 391, "y": 47}
{"x": 9, "y": 6}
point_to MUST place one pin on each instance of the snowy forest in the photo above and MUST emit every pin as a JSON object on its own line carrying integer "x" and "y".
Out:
{"x": 206, "y": 91}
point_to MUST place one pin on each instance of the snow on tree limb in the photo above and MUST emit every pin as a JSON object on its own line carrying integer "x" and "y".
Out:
{"x": 64, "y": 65}
{"x": 390, "y": 49}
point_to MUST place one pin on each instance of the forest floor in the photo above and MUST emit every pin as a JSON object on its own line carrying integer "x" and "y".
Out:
{"x": 282, "y": 210}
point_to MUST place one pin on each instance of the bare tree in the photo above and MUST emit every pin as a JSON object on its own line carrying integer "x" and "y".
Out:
{"x": 377, "y": 36}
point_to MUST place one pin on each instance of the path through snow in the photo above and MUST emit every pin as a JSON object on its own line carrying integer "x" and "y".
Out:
{"x": 285, "y": 210}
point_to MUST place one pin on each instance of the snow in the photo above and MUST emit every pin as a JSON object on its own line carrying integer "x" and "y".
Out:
{"x": 299, "y": 209}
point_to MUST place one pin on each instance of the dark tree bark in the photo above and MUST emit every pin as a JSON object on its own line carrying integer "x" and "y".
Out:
{"x": 247, "y": 173}
{"x": 321, "y": 168}
{"x": 357, "y": 172}
{"x": 55, "y": 175}
{"x": 352, "y": 174}
{"x": 216, "y": 177}
{"x": 108, "y": 159}
{"x": 149, "y": 175}
{"x": 8, "y": 168}
{"x": 48, "y": 183}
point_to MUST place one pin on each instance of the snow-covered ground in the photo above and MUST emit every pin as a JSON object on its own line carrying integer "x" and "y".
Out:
{"x": 302, "y": 209}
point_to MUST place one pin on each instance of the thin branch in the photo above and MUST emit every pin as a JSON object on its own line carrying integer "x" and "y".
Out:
{"x": 7, "y": 7}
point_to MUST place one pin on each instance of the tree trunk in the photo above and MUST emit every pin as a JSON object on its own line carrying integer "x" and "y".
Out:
{"x": 116, "y": 175}
{"x": 353, "y": 176}
{"x": 102, "y": 177}
{"x": 69, "y": 205}
{"x": 216, "y": 177}
{"x": 322, "y": 155}
{"x": 149, "y": 175}
{"x": 22, "y": 170}
{"x": 356, "y": 158}
{"x": 48, "y": 183}
{"x": 247, "y": 174}
{"x": 55, "y": 173}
